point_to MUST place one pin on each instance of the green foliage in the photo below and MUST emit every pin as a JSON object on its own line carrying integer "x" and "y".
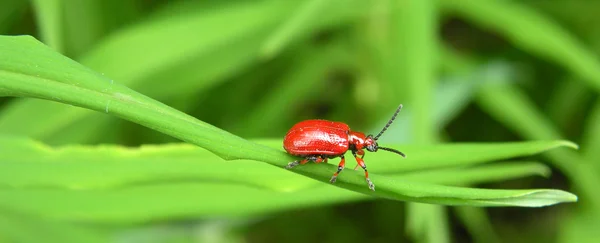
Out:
{"x": 228, "y": 78}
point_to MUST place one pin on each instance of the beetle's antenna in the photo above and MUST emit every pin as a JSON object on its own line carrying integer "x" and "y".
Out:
{"x": 389, "y": 122}
{"x": 393, "y": 151}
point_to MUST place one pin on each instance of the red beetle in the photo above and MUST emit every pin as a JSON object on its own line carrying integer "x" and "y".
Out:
{"x": 319, "y": 140}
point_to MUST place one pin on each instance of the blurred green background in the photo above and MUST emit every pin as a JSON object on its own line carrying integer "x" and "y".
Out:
{"x": 465, "y": 70}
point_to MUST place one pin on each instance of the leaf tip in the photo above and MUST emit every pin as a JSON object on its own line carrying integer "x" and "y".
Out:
{"x": 569, "y": 144}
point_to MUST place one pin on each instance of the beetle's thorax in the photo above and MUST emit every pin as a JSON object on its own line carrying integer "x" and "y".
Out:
{"x": 359, "y": 141}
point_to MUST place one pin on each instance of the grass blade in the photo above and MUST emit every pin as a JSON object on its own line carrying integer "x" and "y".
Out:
{"x": 49, "y": 16}
{"x": 309, "y": 11}
{"x": 591, "y": 137}
{"x": 18, "y": 227}
{"x": 188, "y": 200}
{"x": 479, "y": 174}
{"x": 26, "y": 163}
{"x": 416, "y": 29}
{"x": 478, "y": 224}
{"x": 513, "y": 108}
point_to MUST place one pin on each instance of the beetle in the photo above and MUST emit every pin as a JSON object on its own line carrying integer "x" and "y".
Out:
{"x": 319, "y": 140}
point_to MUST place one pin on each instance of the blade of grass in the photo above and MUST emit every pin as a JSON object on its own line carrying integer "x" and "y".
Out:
{"x": 174, "y": 70}
{"x": 416, "y": 24}
{"x": 591, "y": 137}
{"x": 189, "y": 200}
{"x": 293, "y": 88}
{"x": 18, "y": 227}
{"x": 26, "y": 163}
{"x": 451, "y": 155}
{"x": 308, "y": 12}
{"x": 49, "y": 16}
{"x": 567, "y": 102}
{"x": 512, "y": 108}
{"x": 531, "y": 31}
{"x": 478, "y": 224}
{"x": 478, "y": 174}
{"x": 134, "y": 66}
{"x": 54, "y": 77}
{"x": 83, "y": 24}
{"x": 46, "y": 166}
{"x": 427, "y": 223}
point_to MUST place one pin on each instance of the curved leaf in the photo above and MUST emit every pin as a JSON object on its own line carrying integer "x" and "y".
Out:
{"x": 27, "y": 163}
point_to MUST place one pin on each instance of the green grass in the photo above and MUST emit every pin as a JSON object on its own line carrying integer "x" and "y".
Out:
{"x": 163, "y": 121}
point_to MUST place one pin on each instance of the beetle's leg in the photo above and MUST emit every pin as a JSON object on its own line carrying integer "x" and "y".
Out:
{"x": 296, "y": 163}
{"x": 313, "y": 158}
{"x": 362, "y": 155}
{"x": 361, "y": 163}
{"x": 340, "y": 168}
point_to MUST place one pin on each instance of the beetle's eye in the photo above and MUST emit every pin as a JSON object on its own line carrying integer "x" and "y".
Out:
{"x": 372, "y": 147}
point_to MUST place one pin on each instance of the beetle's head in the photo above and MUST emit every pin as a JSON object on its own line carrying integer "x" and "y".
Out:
{"x": 371, "y": 142}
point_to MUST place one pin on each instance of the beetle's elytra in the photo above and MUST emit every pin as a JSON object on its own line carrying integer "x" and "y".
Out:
{"x": 320, "y": 140}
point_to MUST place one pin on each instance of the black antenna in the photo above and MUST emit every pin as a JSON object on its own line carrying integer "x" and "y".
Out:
{"x": 393, "y": 151}
{"x": 389, "y": 122}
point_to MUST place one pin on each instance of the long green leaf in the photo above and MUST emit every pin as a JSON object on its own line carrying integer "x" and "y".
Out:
{"x": 37, "y": 169}
{"x": 416, "y": 28}
{"x": 478, "y": 224}
{"x": 30, "y": 69}
{"x": 19, "y": 227}
{"x": 301, "y": 82}
{"x": 26, "y": 163}
{"x": 478, "y": 174}
{"x": 49, "y": 18}
{"x": 511, "y": 107}
{"x": 591, "y": 137}
{"x": 296, "y": 24}
{"x": 168, "y": 71}
{"x": 226, "y": 47}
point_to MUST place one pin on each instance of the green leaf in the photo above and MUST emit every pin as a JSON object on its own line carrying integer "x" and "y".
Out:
{"x": 478, "y": 224}
{"x": 415, "y": 28}
{"x": 102, "y": 176}
{"x": 422, "y": 157}
{"x": 478, "y": 174}
{"x": 301, "y": 82}
{"x": 591, "y": 137}
{"x": 568, "y": 102}
{"x": 512, "y": 108}
{"x": 226, "y": 48}
{"x": 308, "y": 12}
{"x": 30, "y": 69}
{"x": 532, "y": 32}
{"x": 427, "y": 223}
{"x": 57, "y": 78}
{"x": 125, "y": 57}
{"x": 27, "y": 163}
{"x": 18, "y": 227}
{"x": 49, "y": 19}
{"x": 189, "y": 200}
